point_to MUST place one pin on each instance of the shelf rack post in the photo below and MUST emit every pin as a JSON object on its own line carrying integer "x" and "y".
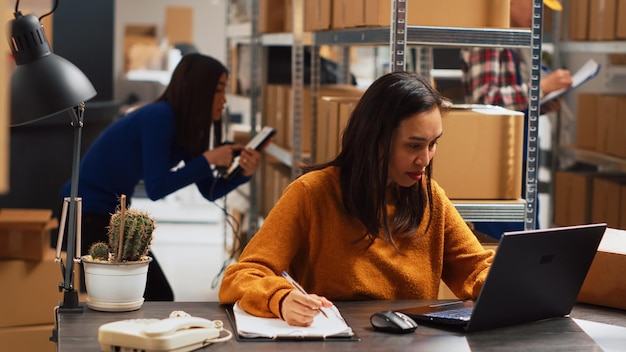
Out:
{"x": 532, "y": 122}
{"x": 397, "y": 61}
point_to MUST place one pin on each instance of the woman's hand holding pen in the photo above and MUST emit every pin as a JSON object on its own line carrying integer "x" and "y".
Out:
{"x": 299, "y": 309}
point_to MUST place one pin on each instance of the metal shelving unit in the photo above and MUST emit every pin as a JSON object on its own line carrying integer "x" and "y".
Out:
{"x": 612, "y": 76}
{"x": 399, "y": 36}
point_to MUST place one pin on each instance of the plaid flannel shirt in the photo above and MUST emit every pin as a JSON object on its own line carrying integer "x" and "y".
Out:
{"x": 493, "y": 76}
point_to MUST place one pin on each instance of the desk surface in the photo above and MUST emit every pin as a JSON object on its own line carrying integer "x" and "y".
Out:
{"x": 590, "y": 328}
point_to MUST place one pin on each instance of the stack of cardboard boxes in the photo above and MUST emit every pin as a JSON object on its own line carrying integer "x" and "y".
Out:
{"x": 334, "y": 106}
{"x": 29, "y": 280}
{"x": 595, "y": 20}
{"x": 277, "y": 15}
{"x": 584, "y": 197}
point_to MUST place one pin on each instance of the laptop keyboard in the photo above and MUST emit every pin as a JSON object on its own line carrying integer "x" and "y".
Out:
{"x": 463, "y": 314}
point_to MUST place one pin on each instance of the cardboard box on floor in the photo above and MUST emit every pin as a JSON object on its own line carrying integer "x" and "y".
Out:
{"x": 28, "y": 338}
{"x": 479, "y": 155}
{"x": 30, "y": 290}
{"x": 25, "y": 233}
{"x": 605, "y": 283}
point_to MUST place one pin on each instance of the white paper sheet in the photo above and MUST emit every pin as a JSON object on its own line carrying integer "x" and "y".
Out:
{"x": 251, "y": 326}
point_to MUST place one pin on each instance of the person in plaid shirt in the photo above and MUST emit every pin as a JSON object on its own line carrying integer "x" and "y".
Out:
{"x": 501, "y": 76}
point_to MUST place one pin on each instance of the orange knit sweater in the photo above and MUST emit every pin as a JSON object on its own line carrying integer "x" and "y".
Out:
{"x": 309, "y": 234}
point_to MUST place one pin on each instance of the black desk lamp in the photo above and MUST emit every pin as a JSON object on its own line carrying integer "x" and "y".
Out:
{"x": 44, "y": 84}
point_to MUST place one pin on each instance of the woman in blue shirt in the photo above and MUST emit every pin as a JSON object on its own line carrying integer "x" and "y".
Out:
{"x": 165, "y": 144}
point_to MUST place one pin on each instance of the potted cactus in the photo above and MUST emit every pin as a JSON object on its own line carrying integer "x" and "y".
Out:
{"x": 116, "y": 272}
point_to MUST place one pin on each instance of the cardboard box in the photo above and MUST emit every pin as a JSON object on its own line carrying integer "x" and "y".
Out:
{"x": 622, "y": 221}
{"x": 276, "y": 177}
{"x": 25, "y": 233}
{"x": 278, "y": 109}
{"x": 6, "y": 68}
{"x": 480, "y": 154}
{"x": 179, "y": 25}
{"x": 573, "y": 192}
{"x": 31, "y": 290}
{"x": 586, "y": 121}
{"x": 452, "y": 13}
{"x": 141, "y": 47}
{"x": 34, "y": 338}
{"x": 274, "y": 16}
{"x": 331, "y": 121}
{"x": 602, "y": 19}
{"x": 604, "y": 117}
{"x": 620, "y": 27}
{"x": 605, "y": 283}
{"x": 317, "y": 15}
{"x": 606, "y": 202}
{"x": 578, "y": 20}
{"x": 616, "y": 137}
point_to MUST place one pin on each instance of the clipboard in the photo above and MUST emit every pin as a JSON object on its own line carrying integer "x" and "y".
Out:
{"x": 586, "y": 72}
{"x": 233, "y": 323}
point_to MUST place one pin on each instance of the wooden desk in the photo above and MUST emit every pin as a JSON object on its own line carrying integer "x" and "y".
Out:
{"x": 591, "y": 329}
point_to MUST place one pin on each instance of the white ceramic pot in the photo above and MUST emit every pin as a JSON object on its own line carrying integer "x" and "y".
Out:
{"x": 115, "y": 287}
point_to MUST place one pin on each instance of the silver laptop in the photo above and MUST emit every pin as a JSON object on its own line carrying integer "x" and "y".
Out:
{"x": 535, "y": 275}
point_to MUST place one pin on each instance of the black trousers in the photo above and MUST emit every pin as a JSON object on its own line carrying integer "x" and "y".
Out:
{"x": 94, "y": 229}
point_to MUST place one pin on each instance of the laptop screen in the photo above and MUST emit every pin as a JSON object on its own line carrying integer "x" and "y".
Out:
{"x": 535, "y": 275}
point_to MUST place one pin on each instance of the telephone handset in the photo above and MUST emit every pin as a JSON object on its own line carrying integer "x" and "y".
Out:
{"x": 176, "y": 333}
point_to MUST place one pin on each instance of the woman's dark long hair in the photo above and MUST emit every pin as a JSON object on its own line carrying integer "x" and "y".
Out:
{"x": 365, "y": 154}
{"x": 190, "y": 92}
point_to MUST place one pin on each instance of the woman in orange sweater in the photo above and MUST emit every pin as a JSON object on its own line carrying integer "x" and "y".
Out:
{"x": 370, "y": 224}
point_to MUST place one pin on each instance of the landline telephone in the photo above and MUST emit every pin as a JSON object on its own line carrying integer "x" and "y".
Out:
{"x": 180, "y": 332}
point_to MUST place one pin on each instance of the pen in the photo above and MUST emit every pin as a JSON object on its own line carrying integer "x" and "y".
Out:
{"x": 299, "y": 288}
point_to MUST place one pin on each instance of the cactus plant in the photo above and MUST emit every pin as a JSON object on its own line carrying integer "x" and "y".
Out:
{"x": 99, "y": 251}
{"x": 116, "y": 272}
{"x": 136, "y": 227}
{"x": 130, "y": 234}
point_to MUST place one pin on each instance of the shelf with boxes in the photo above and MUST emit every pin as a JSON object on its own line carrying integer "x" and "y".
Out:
{"x": 488, "y": 26}
{"x": 480, "y": 210}
{"x": 596, "y": 192}
{"x": 594, "y": 189}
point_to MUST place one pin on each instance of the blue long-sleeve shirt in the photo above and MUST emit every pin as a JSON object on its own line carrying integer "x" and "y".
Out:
{"x": 142, "y": 146}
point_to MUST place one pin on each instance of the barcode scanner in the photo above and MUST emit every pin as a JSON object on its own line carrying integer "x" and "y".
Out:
{"x": 223, "y": 169}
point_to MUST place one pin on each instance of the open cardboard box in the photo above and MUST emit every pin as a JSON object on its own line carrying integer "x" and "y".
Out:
{"x": 25, "y": 233}
{"x": 480, "y": 155}
{"x": 605, "y": 283}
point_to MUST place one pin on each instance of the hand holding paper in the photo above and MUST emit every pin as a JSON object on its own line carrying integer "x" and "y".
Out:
{"x": 588, "y": 71}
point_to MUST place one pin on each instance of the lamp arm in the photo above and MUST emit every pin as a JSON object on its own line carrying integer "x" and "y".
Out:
{"x": 70, "y": 296}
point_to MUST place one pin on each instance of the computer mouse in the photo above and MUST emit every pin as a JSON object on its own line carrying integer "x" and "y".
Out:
{"x": 394, "y": 322}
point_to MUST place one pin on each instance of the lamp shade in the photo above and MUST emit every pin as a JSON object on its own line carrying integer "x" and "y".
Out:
{"x": 43, "y": 83}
